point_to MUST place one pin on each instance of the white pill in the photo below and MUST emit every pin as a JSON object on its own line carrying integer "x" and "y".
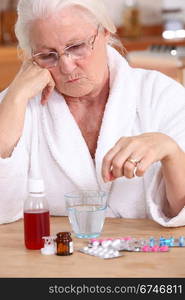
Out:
{"x": 105, "y": 244}
{"x": 95, "y": 243}
{"x": 101, "y": 253}
{"x": 107, "y": 255}
{"x": 95, "y": 252}
{"x": 116, "y": 244}
{"x": 90, "y": 251}
{"x": 85, "y": 248}
{"x": 116, "y": 253}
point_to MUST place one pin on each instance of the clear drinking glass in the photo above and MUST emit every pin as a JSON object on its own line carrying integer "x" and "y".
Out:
{"x": 86, "y": 212}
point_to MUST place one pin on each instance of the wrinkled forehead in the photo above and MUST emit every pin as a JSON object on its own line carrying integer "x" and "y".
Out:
{"x": 64, "y": 27}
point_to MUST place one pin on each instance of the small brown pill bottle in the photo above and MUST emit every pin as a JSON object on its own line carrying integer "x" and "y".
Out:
{"x": 64, "y": 243}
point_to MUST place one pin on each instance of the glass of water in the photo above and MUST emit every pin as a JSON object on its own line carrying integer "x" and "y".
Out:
{"x": 86, "y": 212}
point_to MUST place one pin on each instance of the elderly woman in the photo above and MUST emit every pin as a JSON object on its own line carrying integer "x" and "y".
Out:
{"x": 78, "y": 116}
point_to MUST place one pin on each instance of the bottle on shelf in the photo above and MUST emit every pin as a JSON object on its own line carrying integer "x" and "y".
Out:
{"x": 131, "y": 19}
{"x": 36, "y": 216}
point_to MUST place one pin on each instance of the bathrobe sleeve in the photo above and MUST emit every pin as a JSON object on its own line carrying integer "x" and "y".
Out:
{"x": 165, "y": 112}
{"x": 13, "y": 178}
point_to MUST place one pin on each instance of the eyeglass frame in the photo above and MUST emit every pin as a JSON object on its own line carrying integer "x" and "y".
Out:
{"x": 58, "y": 56}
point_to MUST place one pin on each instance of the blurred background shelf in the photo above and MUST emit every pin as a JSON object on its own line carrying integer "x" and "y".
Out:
{"x": 9, "y": 65}
{"x": 151, "y": 51}
{"x": 150, "y": 35}
{"x": 146, "y": 47}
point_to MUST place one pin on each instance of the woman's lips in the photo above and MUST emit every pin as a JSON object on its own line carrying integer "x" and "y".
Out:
{"x": 72, "y": 80}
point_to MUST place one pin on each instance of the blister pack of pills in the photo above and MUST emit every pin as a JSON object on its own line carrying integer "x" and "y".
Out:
{"x": 171, "y": 242}
{"x": 128, "y": 244}
{"x": 102, "y": 252}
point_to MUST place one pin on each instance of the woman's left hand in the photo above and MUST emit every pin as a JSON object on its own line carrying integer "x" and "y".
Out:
{"x": 133, "y": 155}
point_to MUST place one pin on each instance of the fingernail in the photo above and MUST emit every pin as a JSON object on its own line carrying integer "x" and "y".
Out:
{"x": 106, "y": 178}
{"x": 111, "y": 177}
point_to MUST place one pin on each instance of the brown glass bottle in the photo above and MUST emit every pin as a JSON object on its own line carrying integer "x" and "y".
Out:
{"x": 64, "y": 243}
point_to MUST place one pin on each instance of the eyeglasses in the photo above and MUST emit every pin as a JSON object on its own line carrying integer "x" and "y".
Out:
{"x": 80, "y": 50}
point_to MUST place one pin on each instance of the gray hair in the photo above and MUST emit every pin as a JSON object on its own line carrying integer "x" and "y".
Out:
{"x": 30, "y": 10}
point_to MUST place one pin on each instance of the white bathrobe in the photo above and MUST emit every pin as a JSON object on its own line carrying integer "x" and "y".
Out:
{"x": 53, "y": 148}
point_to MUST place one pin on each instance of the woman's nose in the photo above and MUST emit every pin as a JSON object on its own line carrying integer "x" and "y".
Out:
{"x": 66, "y": 64}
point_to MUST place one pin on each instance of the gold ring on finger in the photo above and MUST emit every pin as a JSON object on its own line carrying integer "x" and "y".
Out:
{"x": 134, "y": 161}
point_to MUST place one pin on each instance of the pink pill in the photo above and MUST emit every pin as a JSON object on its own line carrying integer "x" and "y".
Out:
{"x": 127, "y": 238}
{"x": 164, "y": 248}
{"x": 155, "y": 248}
{"x": 146, "y": 249}
{"x": 93, "y": 240}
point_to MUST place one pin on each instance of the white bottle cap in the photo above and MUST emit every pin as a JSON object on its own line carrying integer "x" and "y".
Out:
{"x": 48, "y": 250}
{"x": 49, "y": 245}
{"x": 36, "y": 186}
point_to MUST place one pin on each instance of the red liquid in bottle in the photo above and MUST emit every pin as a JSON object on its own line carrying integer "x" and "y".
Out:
{"x": 36, "y": 225}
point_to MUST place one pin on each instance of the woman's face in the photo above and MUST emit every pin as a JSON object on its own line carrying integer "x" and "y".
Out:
{"x": 73, "y": 77}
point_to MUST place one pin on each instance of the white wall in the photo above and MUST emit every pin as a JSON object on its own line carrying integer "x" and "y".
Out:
{"x": 173, "y": 3}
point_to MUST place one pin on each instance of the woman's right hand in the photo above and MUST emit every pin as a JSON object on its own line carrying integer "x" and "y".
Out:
{"x": 31, "y": 80}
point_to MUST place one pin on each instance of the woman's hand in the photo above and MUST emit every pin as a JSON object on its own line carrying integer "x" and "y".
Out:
{"x": 31, "y": 80}
{"x": 133, "y": 155}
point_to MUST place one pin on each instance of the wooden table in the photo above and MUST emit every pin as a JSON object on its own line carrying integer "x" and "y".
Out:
{"x": 17, "y": 261}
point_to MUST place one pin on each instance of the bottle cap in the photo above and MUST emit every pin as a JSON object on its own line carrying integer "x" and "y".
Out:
{"x": 49, "y": 245}
{"x": 36, "y": 185}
